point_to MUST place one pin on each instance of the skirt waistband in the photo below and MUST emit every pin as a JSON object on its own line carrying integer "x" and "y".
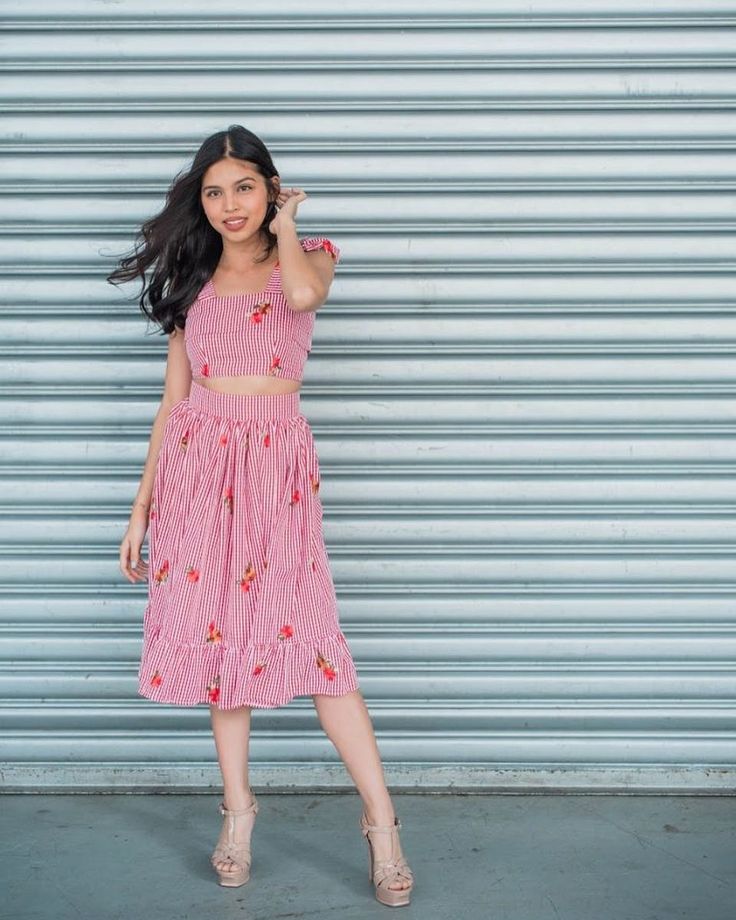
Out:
{"x": 244, "y": 405}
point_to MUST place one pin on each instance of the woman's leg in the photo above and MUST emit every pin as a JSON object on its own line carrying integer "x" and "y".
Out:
{"x": 231, "y": 730}
{"x": 347, "y": 723}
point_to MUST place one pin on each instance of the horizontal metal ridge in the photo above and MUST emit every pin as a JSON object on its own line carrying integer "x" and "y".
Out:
{"x": 326, "y": 146}
{"x": 627, "y": 184}
{"x": 387, "y": 509}
{"x": 368, "y": 430}
{"x": 12, "y": 229}
{"x": 334, "y": 17}
{"x": 389, "y": 705}
{"x": 419, "y": 589}
{"x": 442, "y": 550}
{"x": 336, "y": 66}
{"x": 436, "y": 629}
{"x": 563, "y": 668}
{"x": 594, "y": 469}
{"x": 378, "y": 104}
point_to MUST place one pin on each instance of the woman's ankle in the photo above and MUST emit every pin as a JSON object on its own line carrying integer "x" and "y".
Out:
{"x": 236, "y": 800}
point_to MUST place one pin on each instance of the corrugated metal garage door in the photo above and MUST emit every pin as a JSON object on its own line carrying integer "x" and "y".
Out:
{"x": 522, "y": 387}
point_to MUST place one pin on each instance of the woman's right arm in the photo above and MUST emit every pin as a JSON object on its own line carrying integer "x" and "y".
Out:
{"x": 177, "y": 384}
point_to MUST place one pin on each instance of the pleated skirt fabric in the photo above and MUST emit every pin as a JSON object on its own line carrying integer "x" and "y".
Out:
{"x": 241, "y": 605}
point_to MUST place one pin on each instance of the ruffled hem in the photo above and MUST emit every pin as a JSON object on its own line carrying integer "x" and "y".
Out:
{"x": 262, "y": 676}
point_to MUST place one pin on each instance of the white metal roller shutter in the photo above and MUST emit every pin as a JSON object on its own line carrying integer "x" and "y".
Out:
{"x": 521, "y": 387}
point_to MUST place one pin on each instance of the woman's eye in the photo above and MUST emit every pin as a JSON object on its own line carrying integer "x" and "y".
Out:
{"x": 247, "y": 188}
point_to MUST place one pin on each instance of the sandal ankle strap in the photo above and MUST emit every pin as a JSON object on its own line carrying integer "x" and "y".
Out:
{"x": 366, "y": 827}
{"x": 239, "y": 811}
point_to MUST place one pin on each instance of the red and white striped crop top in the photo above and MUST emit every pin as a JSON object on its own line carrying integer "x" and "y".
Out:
{"x": 257, "y": 333}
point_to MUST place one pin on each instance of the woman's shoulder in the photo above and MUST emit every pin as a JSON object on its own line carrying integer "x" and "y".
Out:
{"x": 321, "y": 242}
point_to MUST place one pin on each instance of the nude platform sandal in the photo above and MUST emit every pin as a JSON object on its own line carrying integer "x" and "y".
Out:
{"x": 383, "y": 872}
{"x": 239, "y": 853}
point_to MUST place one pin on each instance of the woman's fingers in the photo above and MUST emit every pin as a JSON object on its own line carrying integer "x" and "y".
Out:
{"x": 131, "y": 565}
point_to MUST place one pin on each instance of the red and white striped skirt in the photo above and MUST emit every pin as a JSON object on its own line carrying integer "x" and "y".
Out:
{"x": 241, "y": 603}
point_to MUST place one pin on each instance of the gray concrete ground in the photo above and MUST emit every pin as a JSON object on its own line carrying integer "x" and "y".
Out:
{"x": 526, "y": 857}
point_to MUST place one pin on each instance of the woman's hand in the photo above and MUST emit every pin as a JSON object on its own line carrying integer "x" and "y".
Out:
{"x": 131, "y": 565}
{"x": 288, "y": 201}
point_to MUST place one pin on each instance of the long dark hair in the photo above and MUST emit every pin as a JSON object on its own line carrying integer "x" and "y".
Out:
{"x": 180, "y": 243}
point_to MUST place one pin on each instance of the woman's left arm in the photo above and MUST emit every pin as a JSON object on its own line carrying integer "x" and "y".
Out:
{"x": 305, "y": 276}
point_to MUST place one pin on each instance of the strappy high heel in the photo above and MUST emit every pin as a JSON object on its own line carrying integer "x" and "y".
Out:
{"x": 385, "y": 871}
{"x": 227, "y": 848}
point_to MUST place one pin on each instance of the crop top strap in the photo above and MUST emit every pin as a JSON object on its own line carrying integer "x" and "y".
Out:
{"x": 321, "y": 242}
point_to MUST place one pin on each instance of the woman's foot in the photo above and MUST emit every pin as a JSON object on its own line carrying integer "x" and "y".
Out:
{"x": 232, "y": 852}
{"x": 384, "y": 847}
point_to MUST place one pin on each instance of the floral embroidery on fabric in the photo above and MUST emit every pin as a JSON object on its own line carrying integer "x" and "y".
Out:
{"x": 192, "y": 573}
{"x": 327, "y": 667}
{"x": 286, "y": 631}
{"x": 295, "y": 496}
{"x": 223, "y": 440}
{"x": 267, "y": 440}
{"x": 163, "y": 573}
{"x": 258, "y": 668}
{"x": 152, "y": 510}
{"x": 247, "y": 577}
{"x": 213, "y": 633}
{"x": 205, "y": 370}
{"x": 275, "y": 365}
{"x": 184, "y": 443}
{"x": 213, "y": 690}
{"x": 227, "y": 499}
{"x": 260, "y": 311}
{"x": 156, "y": 679}
{"x": 328, "y": 247}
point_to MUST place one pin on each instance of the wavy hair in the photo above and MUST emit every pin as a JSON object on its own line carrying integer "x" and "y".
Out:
{"x": 179, "y": 244}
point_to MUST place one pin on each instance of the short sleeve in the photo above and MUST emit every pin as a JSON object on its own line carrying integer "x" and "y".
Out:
{"x": 321, "y": 242}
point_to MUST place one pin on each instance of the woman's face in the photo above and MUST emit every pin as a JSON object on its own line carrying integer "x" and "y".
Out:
{"x": 234, "y": 197}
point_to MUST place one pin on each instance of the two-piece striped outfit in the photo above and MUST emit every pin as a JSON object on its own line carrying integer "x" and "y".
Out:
{"x": 241, "y": 605}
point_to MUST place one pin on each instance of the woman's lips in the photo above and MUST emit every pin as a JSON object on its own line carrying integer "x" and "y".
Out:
{"x": 234, "y": 224}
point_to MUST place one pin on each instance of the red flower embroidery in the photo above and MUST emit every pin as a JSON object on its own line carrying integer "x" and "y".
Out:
{"x": 327, "y": 668}
{"x": 184, "y": 440}
{"x": 260, "y": 311}
{"x": 227, "y": 499}
{"x": 295, "y": 496}
{"x": 192, "y": 573}
{"x": 267, "y": 440}
{"x": 286, "y": 631}
{"x": 213, "y": 633}
{"x": 205, "y": 370}
{"x": 275, "y": 365}
{"x": 213, "y": 690}
{"x": 258, "y": 668}
{"x": 223, "y": 439}
{"x": 247, "y": 577}
{"x": 328, "y": 247}
{"x": 156, "y": 679}
{"x": 163, "y": 573}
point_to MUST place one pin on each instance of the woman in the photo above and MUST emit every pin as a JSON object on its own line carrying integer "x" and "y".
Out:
{"x": 241, "y": 606}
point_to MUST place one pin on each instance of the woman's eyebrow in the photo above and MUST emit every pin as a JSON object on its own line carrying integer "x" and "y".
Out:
{"x": 237, "y": 182}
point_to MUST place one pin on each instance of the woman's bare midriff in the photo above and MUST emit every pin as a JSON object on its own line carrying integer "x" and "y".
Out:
{"x": 249, "y": 385}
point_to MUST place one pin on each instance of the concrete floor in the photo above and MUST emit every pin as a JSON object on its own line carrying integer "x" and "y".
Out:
{"x": 526, "y": 857}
